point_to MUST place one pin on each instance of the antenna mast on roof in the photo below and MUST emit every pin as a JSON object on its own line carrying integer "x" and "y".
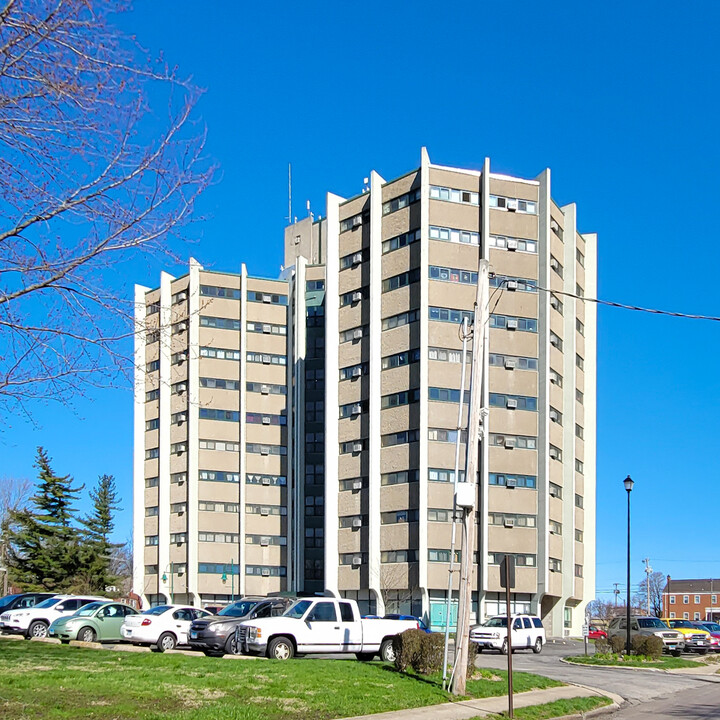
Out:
{"x": 289, "y": 215}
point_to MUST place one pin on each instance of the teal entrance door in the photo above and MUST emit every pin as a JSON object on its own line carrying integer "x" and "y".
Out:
{"x": 438, "y": 610}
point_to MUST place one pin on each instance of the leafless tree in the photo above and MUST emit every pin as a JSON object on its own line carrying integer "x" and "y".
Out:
{"x": 101, "y": 161}
{"x": 656, "y": 581}
{"x": 14, "y": 495}
{"x": 122, "y": 566}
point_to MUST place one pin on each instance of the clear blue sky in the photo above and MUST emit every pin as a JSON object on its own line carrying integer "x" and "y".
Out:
{"x": 618, "y": 99}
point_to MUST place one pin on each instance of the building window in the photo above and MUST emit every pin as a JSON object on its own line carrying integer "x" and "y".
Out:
{"x": 353, "y": 260}
{"x": 686, "y": 599}
{"x": 265, "y": 419}
{"x": 218, "y": 537}
{"x": 399, "y": 438}
{"x": 153, "y": 424}
{"x": 263, "y": 297}
{"x": 512, "y": 283}
{"x": 252, "y": 509}
{"x": 400, "y": 241}
{"x": 578, "y": 535}
{"x": 353, "y": 334}
{"x": 400, "y": 202}
{"x": 555, "y": 490}
{"x": 225, "y": 415}
{"x": 399, "y": 516}
{"x": 696, "y": 616}
{"x": 579, "y": 291}
{"x": 266, "y": 358}
{"x": 151, "y": 540}
{"x": 513, "y": 243}
{"x": 579, "y": 326}
{"x": 672, "y": 614}
{"x": 579, "y": 503}
{"x": 555, "y": 416}
{"x": 507, "y": 322}
{"x": 556, "y": 266}
{"x": 556, "y": 341}
{"x": 438, "y": 555}
{"x": 154, "y": 482}
{"x": 556, "y": 378}
{"x": 152, "y": 366}
{"x": 513, "y": 402}
{"x": 450, "y": 395}
{"x": 512, "y": 362}
{"x": 555, "y": 564}
{"x": 312, "y": 285}
{"x": 579, "y": 466}
{"x": 462, "y": 237}
{"x": 579, "y": 431}
{"x": 555, "y": 527}
{"x": 219, "y": 323}
{"x": 513, "y": 204}
{"x": 263, "y": 388}
{"x": 578, "y": 571}
{"x": 521, "y": 560}
{"x": 353, "y": 297}
{"x": 178, "y": 538}
{"x": 274, "y": 480}
{"x": 357, "y": 483}
{"x": 218, "y": 476}
{"x": 402, "y": 280}
{"x": 352, "y": 222}
{"x": 219, "y": 445}
{"x": 467, "y": 197}
{"x": 446, "y": 435}
{"x": 152, "y": 511}
{"x": 579, "y": 362}
{"x": 267, "y": 328}
{"x": 522, "y": 442}
{"x": 555, "y": 453}
{"x": 400, "y": 477}
{"x": 400, "y": 359}
{"x": 512, "y": 519}
{"x": 219, "y": 383}
{"x": 713, "y": 599}
{"x": 266, "y": 570}
{"x": 442, "y": 475}
{"x": 218, "y": 507}
{"x": 580, "y": 257}
{"x": 220, "y": 292}
{"x": 400, "y": 398}
{"x": 352, "y": 446}
{"x": 697, "y": 599}
{"x": 152, "y": 453}
{"x": 567, "y": 617}
{"x": 260, "y": 449}
{"x": 152, "y": 395}
{"x": 401, "y": 319}
{"x": 219, "y": 353}
{"x": 579, "y": 396}
{"x": 153, "y": 308}
{"x": 452, "y": 275}
{"x": 686, "y": 616}
{"x": 450, "y": 315}
{"x": 511, "y": 481}
{"x": 556, "y": 303}
{"x": 672, "y": 599}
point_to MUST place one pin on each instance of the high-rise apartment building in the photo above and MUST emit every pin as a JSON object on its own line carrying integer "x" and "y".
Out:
{"x": 299, "y": 434}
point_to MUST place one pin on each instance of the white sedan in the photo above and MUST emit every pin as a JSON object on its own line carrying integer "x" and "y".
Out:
{"x": 162, "y": 627}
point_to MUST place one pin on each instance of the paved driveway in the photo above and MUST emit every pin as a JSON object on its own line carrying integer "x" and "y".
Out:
{"x": 636, "y": 686}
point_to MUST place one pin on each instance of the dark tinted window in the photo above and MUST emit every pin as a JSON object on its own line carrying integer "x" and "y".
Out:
{"x": 517, "y": 625}
{"x": 277, "y": 610}
{"x": 70, "y": 605}
{"x": 323, "y": 612}
{"x": 527, "y": 623}
{"x": 263, "y": 611}
{"x": 537, "y": 622}
{"x": 183, "y": 614}
{"x": 346, "y": 613}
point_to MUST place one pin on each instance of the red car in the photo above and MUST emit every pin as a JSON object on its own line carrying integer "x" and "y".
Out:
{"x": 594, "y": 632}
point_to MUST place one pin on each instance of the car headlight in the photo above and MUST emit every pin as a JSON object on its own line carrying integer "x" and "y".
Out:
{"x": 254, "y": 633}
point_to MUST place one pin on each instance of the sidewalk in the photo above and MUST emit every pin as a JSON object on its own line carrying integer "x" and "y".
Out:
{"x": 467, "y": 709}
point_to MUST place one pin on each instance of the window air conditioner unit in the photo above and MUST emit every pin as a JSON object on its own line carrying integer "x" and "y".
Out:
{"x": 264, "y": 540}
{"x": 264, "y": 450}
{"x": 511, "y": 285}
{"x": 512, "y": 324}
{"x": 509, "y": 443}
{"x": 267, "y": 298}
{"x": 266, "y": 420}
{"x": 511, "y": 404}
{"x": 266, "y": 481}
{"x": 181, "y": 296}
{"x": 509, "y": 363}
{"x": 554, "y": 226}
{"x": 356, "y": 371}
{"x": 509, "y": 522}
{"x": 266, "y": 572}
{"x": 553, "y": 416}
{"x": 357, "y": 333}
{"x": 553, "y": 379}
{"x": 266, "y": 359}
{"x": 181, "y": 511}
{"x": 264, "y": 510}
{"x": 512, "y": 244}
{"x": 181, "y": 387}
{"x": 511, "y": 204}
{"x": 180, "y": 448}
{"x": 357, "y": 447}
{"x": 554, "y": 341}
{"x": 181, "y": 327}
{"x": 266, "y": 328}
{"x": 357, "y": 220}
{"x": 265, "y": 389}
{"x": 553, "y": 453}
{"x": 356, "y": 409}
{"x": 357, "y": 522}
{"x": 357, "y": 485}
{"x": 511, "y": 482}
{"x": 181, "y": 418}
{"x": 356, "y": 297}
{"x": 357, "y": 560}
{"x": 357, "y": 258}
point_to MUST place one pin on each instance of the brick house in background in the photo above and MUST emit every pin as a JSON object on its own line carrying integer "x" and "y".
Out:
{"x": 691, "y": 599}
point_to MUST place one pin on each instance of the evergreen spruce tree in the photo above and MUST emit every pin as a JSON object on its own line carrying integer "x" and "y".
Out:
{"x": 97, "y": 550}
{"x": 43, "y": 551}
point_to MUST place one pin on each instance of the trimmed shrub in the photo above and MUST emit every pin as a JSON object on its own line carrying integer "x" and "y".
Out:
{"x": 472, "y": 654}
{"x": 429, "y": 659}
{"x": 602, "y": 646}
{"x": 407, "y": 647}
{"x": 617, "y": 643}
{"x": 649, "y": 645}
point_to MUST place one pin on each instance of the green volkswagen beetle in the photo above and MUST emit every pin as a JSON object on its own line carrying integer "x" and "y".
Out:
{"x": 95, "y": 622}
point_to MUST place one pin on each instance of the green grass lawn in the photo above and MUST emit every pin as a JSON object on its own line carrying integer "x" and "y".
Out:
{"x": 664, "y": 663}
{"x": 559, "y": 708}
{"x": 41, "y": 681}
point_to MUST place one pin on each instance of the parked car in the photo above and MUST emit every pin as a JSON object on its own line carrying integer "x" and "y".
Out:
{"x": 35, "y": 621}
{"x": 21, "y": 601}
{"x": 713, "y": 629}
{"x": 596, "y": 633}
{"x": 215, "y": 635}
{"x": 527, "y": 632}
{"x": 162, "y": 627}
{"x": 420, "y": 624}
{"x": 673, "y": 641}
{"x": 321, "y": 625}
{"x": 97, "y": 621}
{"x": 696, "y": 640}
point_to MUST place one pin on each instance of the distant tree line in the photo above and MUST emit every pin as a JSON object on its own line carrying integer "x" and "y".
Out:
{"x": 46, "y": 545}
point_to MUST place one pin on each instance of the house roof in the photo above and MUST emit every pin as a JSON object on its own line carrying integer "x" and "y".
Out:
{"x": 703, "y": 585}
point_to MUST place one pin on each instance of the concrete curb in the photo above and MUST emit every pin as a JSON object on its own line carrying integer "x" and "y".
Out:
{"x": 49, "y": 641}
{"x": 701, "y": 670}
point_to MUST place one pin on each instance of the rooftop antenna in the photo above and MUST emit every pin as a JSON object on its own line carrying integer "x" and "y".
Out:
{"x": 289, "y": 215}
{"x": 310, "y": 215}
{"x": 366, "y": 186}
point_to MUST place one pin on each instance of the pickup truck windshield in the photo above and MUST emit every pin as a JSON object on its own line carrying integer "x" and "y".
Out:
{"x": 496, "y": 622}
{"x": 298, "y": 609}
{"x": 651, "y": 623}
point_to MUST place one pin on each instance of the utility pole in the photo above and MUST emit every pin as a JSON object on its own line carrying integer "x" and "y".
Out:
{"x": 475, "y": 417}
{"x": 617, "y": 592}
{"x": 648, "y": 572}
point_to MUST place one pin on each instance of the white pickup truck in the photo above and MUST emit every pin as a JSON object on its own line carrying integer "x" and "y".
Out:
{"x": 321, "y": 625}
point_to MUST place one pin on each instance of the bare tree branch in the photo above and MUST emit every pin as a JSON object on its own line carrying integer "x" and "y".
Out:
{"x": 90, "y": 175}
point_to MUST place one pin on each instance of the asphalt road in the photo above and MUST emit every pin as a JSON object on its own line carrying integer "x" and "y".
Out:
{"x": 636, "y": 686}
{"x": 701, "y": 703}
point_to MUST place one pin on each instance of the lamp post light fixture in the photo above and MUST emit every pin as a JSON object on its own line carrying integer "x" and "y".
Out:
{"x": 232, "y": 579}
{"x": 628, "y": 483}
{"x": 164, "y": 579}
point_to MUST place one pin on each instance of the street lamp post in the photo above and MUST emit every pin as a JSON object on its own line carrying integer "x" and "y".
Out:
{"x": 172, "y": 582}
{"x": 628, "y": 483}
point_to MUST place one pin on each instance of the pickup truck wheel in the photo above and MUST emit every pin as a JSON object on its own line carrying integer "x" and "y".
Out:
{"x": 504, "y": 648}
{"x": 281, "y": 648}
{"x": 676, "y": 653}
{"x": 537, "y": 647}
{"x": 38, "y": 629}
{"x": 364, "y": 657}
{"x": 387, "y": 653}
